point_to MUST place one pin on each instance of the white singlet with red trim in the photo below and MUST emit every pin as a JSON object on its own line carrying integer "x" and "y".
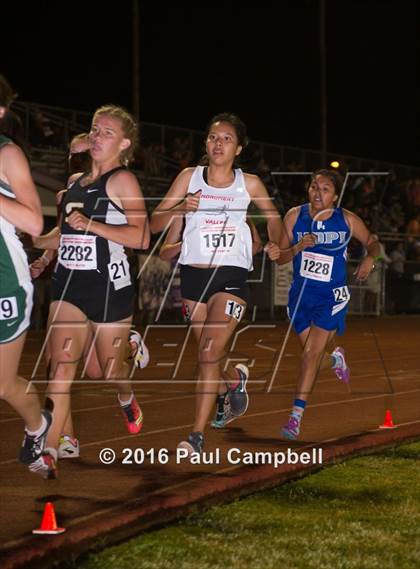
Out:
{"x": 217, "y": 233}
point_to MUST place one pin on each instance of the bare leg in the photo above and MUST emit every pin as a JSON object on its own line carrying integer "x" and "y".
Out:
{"x": 21, "y": 395}
{"x": 92, "y": 369}
{"x": 215, "y": 334}
{"x": 111, "y": 341}
{"x": 327, "y": 360}
{"x": 198, "y": 312}
{"x": 111, "y": 344}
{"x": 68, "y": 337}
{"x": 314, "y": 341}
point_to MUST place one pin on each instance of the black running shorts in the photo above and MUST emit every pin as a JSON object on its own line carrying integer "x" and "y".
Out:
{"x": 201, "y": 284}
{"x": 94, "y": 297}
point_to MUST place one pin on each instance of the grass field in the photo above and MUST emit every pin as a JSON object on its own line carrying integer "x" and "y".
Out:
{"x": 361, "y": 514}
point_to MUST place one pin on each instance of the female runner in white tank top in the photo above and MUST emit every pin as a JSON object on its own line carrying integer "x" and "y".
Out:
{"x": 216, "y": 256}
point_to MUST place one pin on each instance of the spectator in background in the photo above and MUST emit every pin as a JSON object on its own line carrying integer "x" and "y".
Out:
{"x": 365, "y": 193}
{"x": 12, "y": 125}
{"x": 413, "y": 251}
{"x": 152, "y": 159}
{"x": 42, "y": 132}
{"x": 398, "y": 258}
{"x": 396, "y": 297}
{"x": 413, "y": 194}
{"x": 181, "y": 151}
{"x": 413, "y": 226}
{"x": 375, "y": 279}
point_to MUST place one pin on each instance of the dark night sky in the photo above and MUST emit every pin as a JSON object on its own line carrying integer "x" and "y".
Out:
{"x": 199, "y": 58}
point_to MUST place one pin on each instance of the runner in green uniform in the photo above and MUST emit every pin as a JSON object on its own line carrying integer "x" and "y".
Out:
{"x": 19, "y": 208}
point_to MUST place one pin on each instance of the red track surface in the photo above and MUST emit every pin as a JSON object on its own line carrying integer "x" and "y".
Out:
{"x": 91, "y": 498}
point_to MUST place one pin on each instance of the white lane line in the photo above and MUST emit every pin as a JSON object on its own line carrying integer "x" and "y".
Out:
{"x": 247, "y": 416}
{"x": 407, "y": 377}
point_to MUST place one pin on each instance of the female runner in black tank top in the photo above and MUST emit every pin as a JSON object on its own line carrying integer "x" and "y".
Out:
{"x": 102, "y": 213}
{"x": 79, "y": 160}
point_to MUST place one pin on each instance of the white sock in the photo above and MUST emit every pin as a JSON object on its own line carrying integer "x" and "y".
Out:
{"x": 298, "y": 412}
{"x": 39, "y": 431}
{"x": 338, "y": 360}
{"x": 128, "y": 402}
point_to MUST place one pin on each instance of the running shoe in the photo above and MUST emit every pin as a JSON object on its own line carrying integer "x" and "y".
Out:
{"x": 140, "y": 353}
{"x": 32, "y": 447}
{"x": 238, "y": 395}
{"x": 194, "y": 443}
{"x": 292, "y": 429}
{"x": 68, "y": 447}
{"x": 46, "y": 464}
{"x": 133, "y": 416}
{"x": 223, "y": 412}
{"x": 342, "y": 371}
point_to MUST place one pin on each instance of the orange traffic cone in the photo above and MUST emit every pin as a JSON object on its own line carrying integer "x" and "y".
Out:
{"x": 49, "y": 523}
{"x": 388, "y": 422}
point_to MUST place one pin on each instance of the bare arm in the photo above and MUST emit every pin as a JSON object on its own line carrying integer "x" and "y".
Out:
{"x": 50, "y": 240}
{"x": 123, "y": 188}
{"x": 256, "y": 239}
{"x": 175, "y": 202}
{"x": 264, "y": 203}
{"x": 285, "y": 252}
{"x": 24, "y": 212}
{"x": 367, "y": 239}
{"x": 38, "y": 266}
{"x": 172, "y": 244}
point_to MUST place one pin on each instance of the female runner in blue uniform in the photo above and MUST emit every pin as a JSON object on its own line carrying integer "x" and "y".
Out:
{"x": 315, "y": 237}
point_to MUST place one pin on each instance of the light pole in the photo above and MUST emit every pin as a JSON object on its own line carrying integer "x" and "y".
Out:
{"x": 323, "y": 80}
{"x": 135, "y": 96}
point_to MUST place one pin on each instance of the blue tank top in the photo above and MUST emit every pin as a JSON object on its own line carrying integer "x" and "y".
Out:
{"x": 322, "y": 266}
